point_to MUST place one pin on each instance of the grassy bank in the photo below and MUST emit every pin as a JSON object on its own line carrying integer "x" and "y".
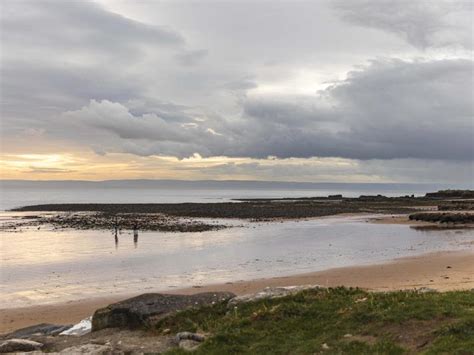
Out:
{"x": 336, "y": 321}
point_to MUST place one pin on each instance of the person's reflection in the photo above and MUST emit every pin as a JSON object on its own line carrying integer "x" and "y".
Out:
{"x": 116, "y": 228}
{"x": 116, "y": 238}
{"x": 135, "y": 234}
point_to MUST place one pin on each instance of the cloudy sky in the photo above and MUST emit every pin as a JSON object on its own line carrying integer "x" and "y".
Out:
{"x": 322, "y": 90}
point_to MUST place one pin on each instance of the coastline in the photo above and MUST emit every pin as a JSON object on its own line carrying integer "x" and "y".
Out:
{"x": 443, "y": 271}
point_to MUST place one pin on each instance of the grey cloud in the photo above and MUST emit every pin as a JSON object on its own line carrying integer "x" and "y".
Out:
{"x": 241, "y": 85}
{"x": 70, "y": 24}
{"x": 401, "y": 170}
{"x": 189, "y": 58}
{"x": 57, "y": 55}
{"x": 153, "y": 94}
{"x": 278, "y": 110}
{"x": 391, "y": 109}
{"x": 423, "y": 23}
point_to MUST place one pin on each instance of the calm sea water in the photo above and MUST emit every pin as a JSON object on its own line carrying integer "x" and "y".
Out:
{"x": 16, "y": 195}
{"x": 46, "y": 266}
{"x": 49, "y": 266}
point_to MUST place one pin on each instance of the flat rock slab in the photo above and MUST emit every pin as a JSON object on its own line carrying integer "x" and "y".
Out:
{"x": 38, "y": 329}
{"x": 147, "y": 309}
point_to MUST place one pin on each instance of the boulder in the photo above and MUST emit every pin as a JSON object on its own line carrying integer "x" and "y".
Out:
{"x": 147, "y": 309}
{"x": 19, "y": 345}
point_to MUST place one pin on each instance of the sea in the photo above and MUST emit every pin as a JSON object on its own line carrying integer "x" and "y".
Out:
{"x": 17, "y": 193}
{"x": 47, "y": 265}
{"x": 50, "y": 266}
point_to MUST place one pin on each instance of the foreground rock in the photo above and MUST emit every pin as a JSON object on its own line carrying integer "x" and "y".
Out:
{"x": 91, "y": 349}
{"x": 19, "y": 345}
{"x": 147, "y": 309}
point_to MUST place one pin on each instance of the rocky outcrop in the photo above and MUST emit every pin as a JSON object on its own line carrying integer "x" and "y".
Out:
{"x": 147, "y": 309}
{"x": 19, "y": 345}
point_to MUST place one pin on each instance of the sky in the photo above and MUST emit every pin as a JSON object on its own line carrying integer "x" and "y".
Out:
{"x": 317, "y": 91}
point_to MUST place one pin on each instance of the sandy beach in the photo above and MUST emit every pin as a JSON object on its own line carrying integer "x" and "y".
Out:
{"x": 443, "y": 271}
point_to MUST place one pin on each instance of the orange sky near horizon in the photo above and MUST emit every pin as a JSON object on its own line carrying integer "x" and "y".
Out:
{"x": 85, "y": 165}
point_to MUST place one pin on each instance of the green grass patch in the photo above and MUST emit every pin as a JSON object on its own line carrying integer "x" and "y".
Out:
{"x": 379, "y": 323}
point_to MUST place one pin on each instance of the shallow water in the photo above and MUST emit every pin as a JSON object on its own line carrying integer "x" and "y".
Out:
{"x": 11, "y": 197}
{"x": 46, "y": 266}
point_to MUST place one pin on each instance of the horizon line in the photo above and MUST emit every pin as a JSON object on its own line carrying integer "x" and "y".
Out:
{"x": 229, "y": 181}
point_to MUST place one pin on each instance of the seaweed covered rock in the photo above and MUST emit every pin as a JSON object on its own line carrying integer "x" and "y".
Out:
{"x": 147, "y": 309}
{"x": 441, "y": 194}
{"x": 444, "y": 217}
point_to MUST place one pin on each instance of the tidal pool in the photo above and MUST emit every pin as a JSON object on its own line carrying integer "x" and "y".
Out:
{"x": 48, "y": 266}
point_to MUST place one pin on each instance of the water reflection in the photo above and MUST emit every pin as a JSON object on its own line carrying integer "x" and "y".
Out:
{"x": 135, "y": 237}
{"x": 116, "y": 239}
{"x": 63, "y": 264}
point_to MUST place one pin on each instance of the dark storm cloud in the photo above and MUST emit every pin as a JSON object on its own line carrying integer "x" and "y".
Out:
{"x": 391, "y": 109}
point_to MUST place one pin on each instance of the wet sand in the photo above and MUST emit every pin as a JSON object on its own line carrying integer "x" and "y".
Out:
{"x": 443, "y": 271}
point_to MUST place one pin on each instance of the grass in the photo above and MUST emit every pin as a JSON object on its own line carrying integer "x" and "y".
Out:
{"x": 379, "y": 323}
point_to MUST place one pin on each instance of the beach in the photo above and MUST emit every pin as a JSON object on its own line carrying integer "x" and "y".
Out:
{"x": 443, "y": 271}
{"x": 367, "y": 242}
